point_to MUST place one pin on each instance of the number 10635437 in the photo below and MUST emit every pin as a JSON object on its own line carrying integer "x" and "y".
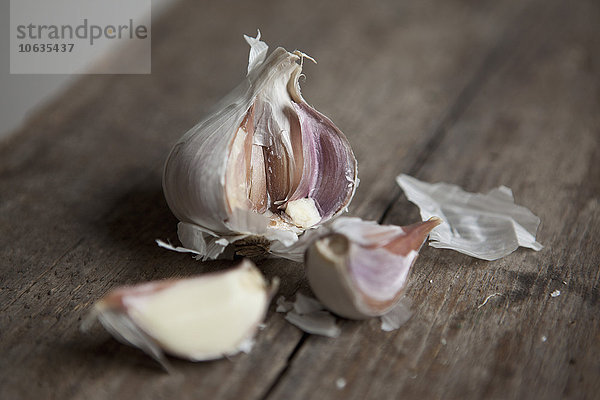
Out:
{"x": 46, "y": 47}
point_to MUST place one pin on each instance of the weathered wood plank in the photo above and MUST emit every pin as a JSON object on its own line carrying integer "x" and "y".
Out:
{"x": 81, "y": 203}
{"x": 534, "y": 126}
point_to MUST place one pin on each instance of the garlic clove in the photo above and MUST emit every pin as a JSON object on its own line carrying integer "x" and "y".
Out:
{"x": 265, "y": 164}
{"x": 303, "y": 212}
{"x": 201, "y": 318}
{"x": 360, "y": 269}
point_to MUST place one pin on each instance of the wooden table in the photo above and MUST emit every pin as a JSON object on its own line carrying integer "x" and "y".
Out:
{"x": 476, "y": 93}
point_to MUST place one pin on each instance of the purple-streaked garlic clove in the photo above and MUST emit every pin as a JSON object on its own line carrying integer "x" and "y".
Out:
{"x": 263, "y": 168}
{"x": 360, "y": 269}
{"x": 200, "y": 318}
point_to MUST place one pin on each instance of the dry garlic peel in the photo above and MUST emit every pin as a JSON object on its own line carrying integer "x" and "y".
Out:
{"x": 360, "y": 269}
{"x": 264, "y": 165}
{"x": 309, "y": 315}
{"x": 487, "y": 226}
{"x": 201, "y": 318}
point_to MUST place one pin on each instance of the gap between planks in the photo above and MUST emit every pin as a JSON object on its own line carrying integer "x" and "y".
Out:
{"x": 286, "y": 367}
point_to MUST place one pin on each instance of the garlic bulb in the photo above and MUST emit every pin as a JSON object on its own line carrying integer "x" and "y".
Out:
{"x": 360, "y": 269}
{"x": 263, "y": 168}
{"x": 201, "y": 318}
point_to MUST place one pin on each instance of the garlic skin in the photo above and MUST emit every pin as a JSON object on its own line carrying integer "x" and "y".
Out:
{"x": 360, "y": 269}
{"x": 309, "y": 315}
{"x": 201, "y": 318}
{"x": 487, "y": 226}
{"x": 265, "y": 164}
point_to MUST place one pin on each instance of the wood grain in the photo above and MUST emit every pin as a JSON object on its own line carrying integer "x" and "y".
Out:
{"x": 474, "y": 93}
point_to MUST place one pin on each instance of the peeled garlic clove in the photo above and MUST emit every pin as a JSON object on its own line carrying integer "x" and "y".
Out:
{"x": 264, "y": 165}
{"x": 201, "y": 318}
{"x": 360, "y": 269}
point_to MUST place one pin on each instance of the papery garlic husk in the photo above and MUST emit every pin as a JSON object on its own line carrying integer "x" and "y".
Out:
{"x": 200, "y": 318}
{"x": 263, "y": 168}
{"x": 360, "y": 269}
{"x": 309, "y": 315}
{"x": 487, "y": 226}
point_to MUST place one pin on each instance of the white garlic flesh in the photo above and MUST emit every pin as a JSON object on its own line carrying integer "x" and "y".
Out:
{"x": 360, "y": 269}
{"x": 265, "y": 165}
{"x": 201, "y": 318}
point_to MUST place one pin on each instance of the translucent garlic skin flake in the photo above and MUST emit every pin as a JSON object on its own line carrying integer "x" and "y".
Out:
{"x": 487, "y": 226}
{"x": 265, "y": 164}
